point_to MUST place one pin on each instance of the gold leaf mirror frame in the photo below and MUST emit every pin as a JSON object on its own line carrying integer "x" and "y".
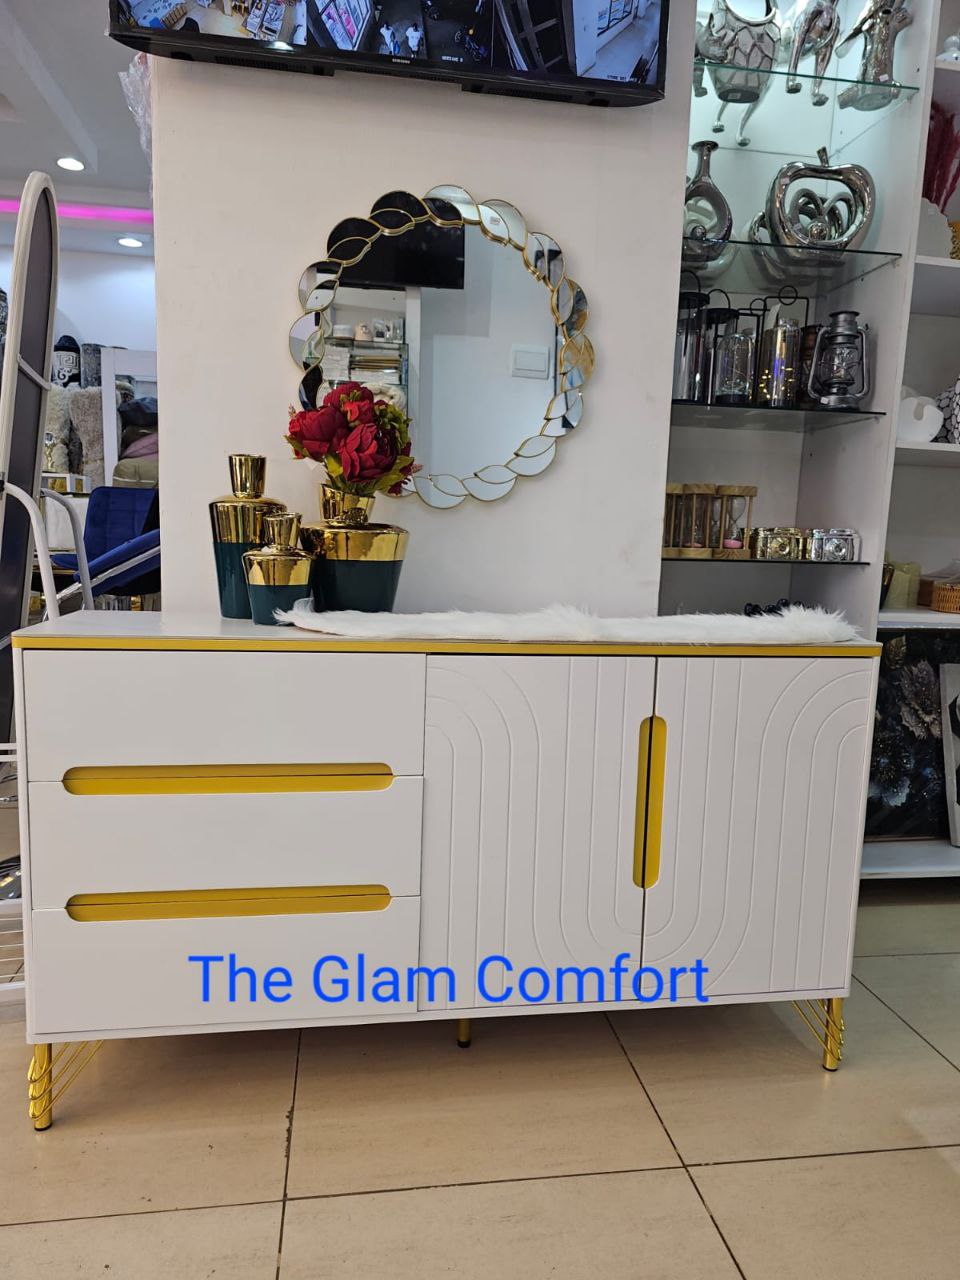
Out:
{"x": 449, "y": 206}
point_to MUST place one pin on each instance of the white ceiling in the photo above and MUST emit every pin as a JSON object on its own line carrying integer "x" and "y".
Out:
{"x": 60, "y": 95}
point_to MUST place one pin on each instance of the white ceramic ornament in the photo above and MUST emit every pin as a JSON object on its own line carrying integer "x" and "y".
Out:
{"x": 919, "y": 420}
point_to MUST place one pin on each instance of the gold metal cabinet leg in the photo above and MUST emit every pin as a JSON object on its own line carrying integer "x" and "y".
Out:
{"x": 40, "y": 1086}
{"x": 825, "y": 1020}
{"x": 834, "y": 1028}
{"x": 464, "y": 1033}
{"x": 51, "y": 1075}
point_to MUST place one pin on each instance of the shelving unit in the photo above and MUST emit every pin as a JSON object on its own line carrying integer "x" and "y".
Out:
{"x": 909, "y": 859}
{"x": 936, "y": 286}
{"x": 780, "y": 564}
{"x": 928, "y": 455}
{"x": 814, "y": 469}
{"x": 917, "y": 619}
{"x": 753, "y": 418}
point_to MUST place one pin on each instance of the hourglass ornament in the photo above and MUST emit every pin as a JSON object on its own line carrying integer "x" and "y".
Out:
{"x": 672, "y": 520}
{"x": 695, "y": 521}
{"x": 730, "y": 521}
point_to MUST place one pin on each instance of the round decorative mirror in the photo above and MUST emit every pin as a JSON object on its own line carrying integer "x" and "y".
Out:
{"x": 455, "y": 312}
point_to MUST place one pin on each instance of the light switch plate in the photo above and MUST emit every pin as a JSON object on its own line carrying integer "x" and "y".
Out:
{"x": 530, "y": 362}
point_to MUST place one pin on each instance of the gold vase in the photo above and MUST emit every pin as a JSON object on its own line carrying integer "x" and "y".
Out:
{"x": 356, "y": 564}
{"x": 237, "y": 522}
{"x": 278, "y": 574}
{"x": 352, "y": 509}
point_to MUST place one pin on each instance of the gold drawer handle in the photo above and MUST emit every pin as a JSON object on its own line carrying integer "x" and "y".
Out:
{"x": 199, "y": 904}
{"x": 648, "y": 830}
{"x": 223, "y": 779}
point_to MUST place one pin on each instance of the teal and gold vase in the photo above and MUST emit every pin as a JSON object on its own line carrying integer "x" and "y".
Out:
{"x": 237, "y": 522}
{"x": 356, "y": 564}
{"x": 278, "y": 575}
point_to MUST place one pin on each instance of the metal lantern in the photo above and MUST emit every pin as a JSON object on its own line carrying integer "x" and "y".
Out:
{"x": 731, "y": 520}
{"x": 672, "y": 519}
{"x": 696, "y": 515}
{"x": 840, "y": 373}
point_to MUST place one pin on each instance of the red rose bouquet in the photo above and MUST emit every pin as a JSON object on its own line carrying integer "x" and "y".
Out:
{"x": 364, "y": 444}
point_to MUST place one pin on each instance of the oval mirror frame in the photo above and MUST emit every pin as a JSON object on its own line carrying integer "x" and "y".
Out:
{"x": 452, "y": 206}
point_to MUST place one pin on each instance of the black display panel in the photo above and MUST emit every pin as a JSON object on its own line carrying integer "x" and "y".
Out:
{"x": 600, "y": 52}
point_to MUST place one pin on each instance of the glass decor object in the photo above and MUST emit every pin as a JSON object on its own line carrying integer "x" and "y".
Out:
{"x": 731, "y": 516}
{"x": 696, "y": 514}
{"x": 779, "y": 364}
{"x": 733, "y": 368}
{"x": 277, "y": 574}
{"x": 690, "y": 347}
{"x": 237, "y": 523}
{"x": 672, "y": 517}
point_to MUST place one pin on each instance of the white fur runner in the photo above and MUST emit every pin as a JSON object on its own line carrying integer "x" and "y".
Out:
{"x": 562, "y": 622}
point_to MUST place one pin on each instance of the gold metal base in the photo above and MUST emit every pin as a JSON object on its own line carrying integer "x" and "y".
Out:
{"x": 42, "y": 1089}
{"x": 825, "y": 1019}
{"x": 464, "y": 1033}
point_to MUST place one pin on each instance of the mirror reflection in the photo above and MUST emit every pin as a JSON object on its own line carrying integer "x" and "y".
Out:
{"x": 472, "y": 328}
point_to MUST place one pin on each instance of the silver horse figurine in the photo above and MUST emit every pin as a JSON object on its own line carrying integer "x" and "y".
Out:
{"x": 817, "y": 31}
{"x": 739, "y": 52}
{"x": 878, "y": 26}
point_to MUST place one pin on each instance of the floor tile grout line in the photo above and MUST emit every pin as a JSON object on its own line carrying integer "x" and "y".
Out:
{"x": 824, "y": 1155}
{"x": 899, "y": 1015}
{"x": 289, "y": 1147}
{"x": 488, "y": 1182}
{"x": 901, "y": 955}
{"x": 137, "y": 1213}
{"x": 683, "y": 1164}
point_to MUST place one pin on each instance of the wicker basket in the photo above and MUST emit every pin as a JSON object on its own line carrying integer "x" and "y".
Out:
{"x": 945, "y": 597}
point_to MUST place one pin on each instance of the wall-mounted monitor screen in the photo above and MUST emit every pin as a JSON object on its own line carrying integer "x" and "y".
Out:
{"x": 601, "y": 52}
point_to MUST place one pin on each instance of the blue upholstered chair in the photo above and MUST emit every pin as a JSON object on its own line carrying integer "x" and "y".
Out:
{"x": 121, "y": 538}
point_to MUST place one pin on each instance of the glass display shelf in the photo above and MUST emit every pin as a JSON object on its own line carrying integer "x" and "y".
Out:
{"x": 366, "y": 344}
{"x": 754, "y": 418}
{"x": 789, "y": 124}
{"x": 761, "y": 269}
{"x": 810, "y": 564}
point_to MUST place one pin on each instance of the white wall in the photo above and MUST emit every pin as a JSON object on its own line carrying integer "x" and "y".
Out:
{"x": 104, "y": 298}
{"x": 251, "y": 169}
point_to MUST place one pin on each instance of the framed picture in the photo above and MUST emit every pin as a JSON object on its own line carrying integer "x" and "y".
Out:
{"x": 949, "y": 699}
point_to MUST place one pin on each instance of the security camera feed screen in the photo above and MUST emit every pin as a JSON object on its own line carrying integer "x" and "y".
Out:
{"x": 607, "y": 40}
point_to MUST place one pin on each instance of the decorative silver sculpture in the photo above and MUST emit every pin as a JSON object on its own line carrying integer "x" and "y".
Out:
{"x": 707, "y": 219}
{"x": 840, "y": 372}
{"x": 816, "y": 33}
{"x": 740, "y": 53}
{"x": 795, "y": 221}
{"x": 878, "y": 26}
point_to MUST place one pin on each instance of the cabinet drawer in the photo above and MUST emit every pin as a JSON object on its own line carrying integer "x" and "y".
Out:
{"x": 124, "y": 975}
{"x": 83, "y": 844}
{"x": 111, "y": 708}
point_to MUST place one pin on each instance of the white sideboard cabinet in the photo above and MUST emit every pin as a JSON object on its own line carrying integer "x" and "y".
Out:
{"x": 239, "y": 826}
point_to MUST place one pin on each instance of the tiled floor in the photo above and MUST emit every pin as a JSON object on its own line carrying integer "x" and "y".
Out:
{"x": 678, "y": 1145}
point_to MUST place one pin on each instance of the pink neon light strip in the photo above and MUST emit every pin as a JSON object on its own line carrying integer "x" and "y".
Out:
{"x": 91, "y": 212}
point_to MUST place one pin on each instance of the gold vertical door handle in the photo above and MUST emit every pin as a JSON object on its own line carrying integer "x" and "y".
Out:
{"x": 648, "y": 830}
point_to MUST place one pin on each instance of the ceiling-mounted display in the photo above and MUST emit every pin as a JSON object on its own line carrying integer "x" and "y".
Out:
{"x": 601, "y": 52}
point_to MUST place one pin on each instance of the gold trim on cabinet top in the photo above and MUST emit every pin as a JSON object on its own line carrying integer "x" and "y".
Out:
{"x": 331, "y": 644}
{"x": 202, "y": 904}
{"x": 452, "y": 206}
{"x": 224, "y": 779}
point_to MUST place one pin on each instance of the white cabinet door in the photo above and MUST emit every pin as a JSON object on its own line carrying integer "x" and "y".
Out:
{"x": 765, "y": 782}
{"x": 530, "y": 796}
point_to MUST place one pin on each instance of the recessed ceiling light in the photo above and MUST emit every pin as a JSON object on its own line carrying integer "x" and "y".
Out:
{"x": 72, "y": 163}
{"x": 130, "y": 242}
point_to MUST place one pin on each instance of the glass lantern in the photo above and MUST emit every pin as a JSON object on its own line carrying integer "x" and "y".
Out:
{"x": 672, "y": 519}
{"x": 731, "y": 514}
{"x": 695, "y": 522}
